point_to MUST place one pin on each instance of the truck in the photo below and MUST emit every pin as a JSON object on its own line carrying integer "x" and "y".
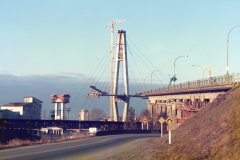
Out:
{"x": 92, "y": 131}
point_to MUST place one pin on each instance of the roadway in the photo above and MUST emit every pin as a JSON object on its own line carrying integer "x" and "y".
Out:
{"x": 92, "y": 148}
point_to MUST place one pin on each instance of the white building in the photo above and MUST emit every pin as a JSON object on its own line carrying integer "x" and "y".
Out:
{"x": 29, "y": 109}
{"x": 83, "y": 115}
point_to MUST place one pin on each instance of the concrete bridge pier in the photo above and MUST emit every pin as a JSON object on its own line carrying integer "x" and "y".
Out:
{"x": 179, "y": 107}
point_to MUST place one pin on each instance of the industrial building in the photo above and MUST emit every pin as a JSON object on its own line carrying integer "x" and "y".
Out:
{"x": 7, "y": 114}
{"x": 60, "y": 101}
{"x": 83, "y": 115}
{"x": 29, "y": 109}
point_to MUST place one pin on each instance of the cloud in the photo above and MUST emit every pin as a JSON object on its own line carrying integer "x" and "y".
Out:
{"x": 73, "y": 74}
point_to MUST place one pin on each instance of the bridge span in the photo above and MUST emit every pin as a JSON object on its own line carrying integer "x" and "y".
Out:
{"x": 183, "y": 100}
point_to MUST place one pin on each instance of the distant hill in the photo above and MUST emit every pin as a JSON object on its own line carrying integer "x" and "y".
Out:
{"x": 14, "y": 88}
{"x": 214, "y": 133}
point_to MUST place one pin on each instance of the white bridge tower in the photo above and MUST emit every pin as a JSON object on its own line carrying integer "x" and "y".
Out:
{"x": 120, "y": 60}
{"x": 121, "y": 57}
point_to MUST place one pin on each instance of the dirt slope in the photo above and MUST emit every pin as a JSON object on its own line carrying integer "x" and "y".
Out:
{"x": 214, "y": 133}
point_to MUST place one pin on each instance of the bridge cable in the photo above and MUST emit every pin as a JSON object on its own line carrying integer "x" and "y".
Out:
{"x": 144, "y": 58}
{"x": 90, "y": 79}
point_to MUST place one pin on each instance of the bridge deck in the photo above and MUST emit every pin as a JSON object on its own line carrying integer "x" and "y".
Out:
{"x": 214, "y": 84}
{"x": 201, "y": 89}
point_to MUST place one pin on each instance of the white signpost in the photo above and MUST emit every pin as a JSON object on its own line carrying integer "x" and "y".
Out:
{"x": 169, "y": 122}
{"x": 169, "y": 137}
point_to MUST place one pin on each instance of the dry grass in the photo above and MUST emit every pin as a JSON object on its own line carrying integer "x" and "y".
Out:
{"x": 18, "y": 142}
{"x": 213, "y": 133}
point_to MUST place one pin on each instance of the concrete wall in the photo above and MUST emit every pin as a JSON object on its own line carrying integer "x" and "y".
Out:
{"x": 180, "y": 106}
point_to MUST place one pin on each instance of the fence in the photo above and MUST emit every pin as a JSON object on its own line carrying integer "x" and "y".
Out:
{"x": 212, "y": 81}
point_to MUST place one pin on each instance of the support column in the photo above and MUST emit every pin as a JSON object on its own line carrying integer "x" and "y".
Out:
{"x": 169, "y": 109}
{"x": 59, "y": 101}
{"x": 55, "y": 111}
{"x": 62, "y": 111}
{"x": 173, "y": 110}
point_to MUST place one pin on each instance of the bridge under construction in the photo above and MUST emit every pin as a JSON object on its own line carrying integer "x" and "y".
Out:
{"x": 183, "y": 100}
{"x": 178, "y": 101}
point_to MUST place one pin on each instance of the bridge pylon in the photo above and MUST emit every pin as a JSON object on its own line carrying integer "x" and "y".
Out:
{"x": 121, "y": 57}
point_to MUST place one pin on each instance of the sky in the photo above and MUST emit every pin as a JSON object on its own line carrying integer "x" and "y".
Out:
{"x": 70, "y": 38}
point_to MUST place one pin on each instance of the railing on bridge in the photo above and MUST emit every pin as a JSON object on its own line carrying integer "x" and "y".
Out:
{"x": 213, "y": 81}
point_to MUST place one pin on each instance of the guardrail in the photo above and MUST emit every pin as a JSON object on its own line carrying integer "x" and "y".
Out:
{"x": 213, "y": 81}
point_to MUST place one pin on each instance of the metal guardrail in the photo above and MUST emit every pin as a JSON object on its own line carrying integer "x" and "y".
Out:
{"x": 213, "y": 81}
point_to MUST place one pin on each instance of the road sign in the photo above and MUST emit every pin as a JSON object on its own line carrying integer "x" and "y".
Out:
{"x": 169, "y": 121}
{"x": 145, "y": 120}
{"x": 161, "y": 120}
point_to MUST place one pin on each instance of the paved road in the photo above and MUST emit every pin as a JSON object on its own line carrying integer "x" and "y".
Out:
{"x": 90, "y": 148}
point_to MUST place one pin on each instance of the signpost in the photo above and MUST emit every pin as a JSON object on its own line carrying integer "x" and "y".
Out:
{"x": 169, "y": 123}
{"x": 161, "y": 120}
{"x": 145, "y": 121}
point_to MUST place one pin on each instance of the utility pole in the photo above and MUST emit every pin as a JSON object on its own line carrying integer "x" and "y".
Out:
{"x": 68, "y": 110}
{"x": 111, "y": 59}
{"x": 201, "y": 67}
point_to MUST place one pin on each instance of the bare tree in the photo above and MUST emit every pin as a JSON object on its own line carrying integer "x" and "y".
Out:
{"x": 97, "y": 114}
{"x": 147, "y": 114}
{"x": 130, "y": 123}
{"x": 153, "y": 121}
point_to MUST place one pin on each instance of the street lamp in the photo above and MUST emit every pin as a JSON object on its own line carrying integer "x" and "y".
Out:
{"x": 201, "y": 67}
{"x": 175, "y": 65}
{"x": 227, "y": 68}
{"x": 152, "y": 74}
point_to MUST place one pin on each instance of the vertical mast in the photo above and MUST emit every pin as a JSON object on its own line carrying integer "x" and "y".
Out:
{"x": 111, "y": 58}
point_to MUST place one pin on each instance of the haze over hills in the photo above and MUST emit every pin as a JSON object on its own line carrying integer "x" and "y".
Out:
{"x": 13, "y": 88}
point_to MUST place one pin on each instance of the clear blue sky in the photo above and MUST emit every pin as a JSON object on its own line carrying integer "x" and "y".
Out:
{"x": 69, "y": 36}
